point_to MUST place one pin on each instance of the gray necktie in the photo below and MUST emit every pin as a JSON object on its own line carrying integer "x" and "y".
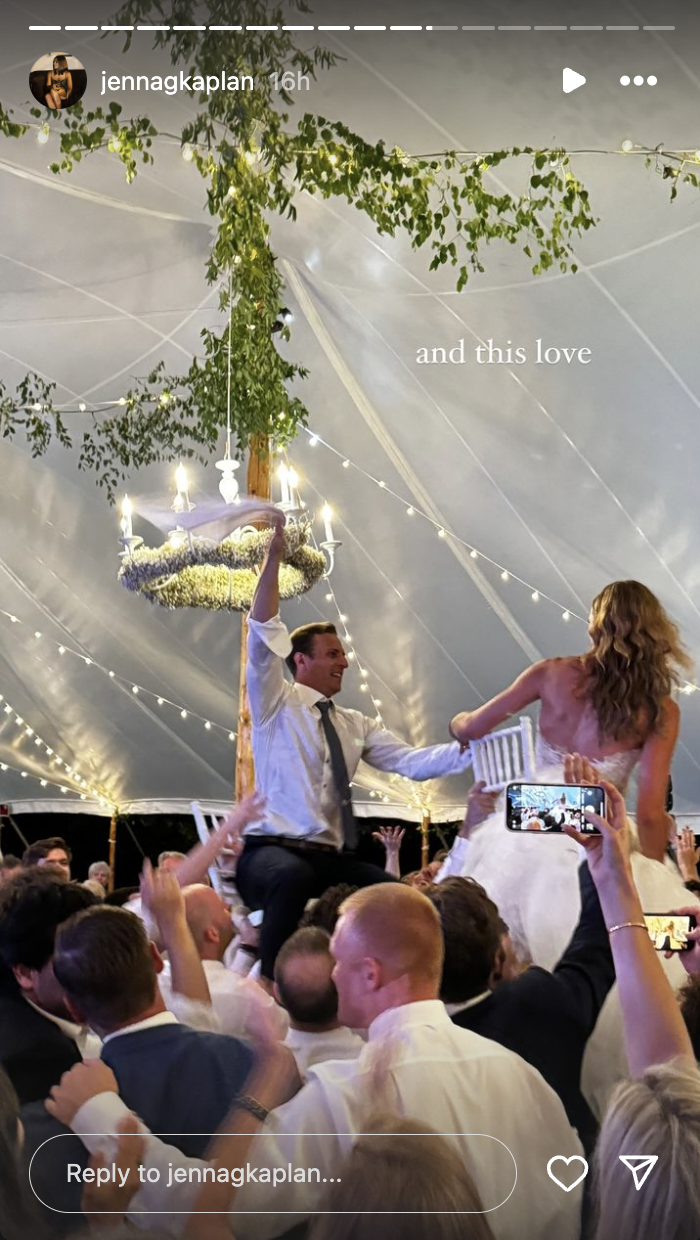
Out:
{"x": 340, "y": 775}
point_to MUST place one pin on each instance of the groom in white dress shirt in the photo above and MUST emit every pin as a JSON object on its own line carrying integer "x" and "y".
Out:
{"x": 306, "y": 751}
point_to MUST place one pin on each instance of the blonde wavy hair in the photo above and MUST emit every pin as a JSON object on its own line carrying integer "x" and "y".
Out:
{"x": 637, "y": 660}
{"x": 659, "y": 1114}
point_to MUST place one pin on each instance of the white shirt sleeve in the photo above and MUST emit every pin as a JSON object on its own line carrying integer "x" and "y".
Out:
{"x": 454, "y": 864}
{"x": 386, "y": 752}
{"x": 99, "y": 1117}
{"x": 268, "y": 645}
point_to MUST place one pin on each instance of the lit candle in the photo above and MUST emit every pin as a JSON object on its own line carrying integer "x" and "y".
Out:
{"x": 181, "y": 479}
{"x": 283, "y": 475}
{"x": 293, "y": 483}
{"x": 327, "y": 514}
{"x": 125, "y": 523}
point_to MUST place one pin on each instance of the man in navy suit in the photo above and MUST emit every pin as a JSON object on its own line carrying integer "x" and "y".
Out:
{"x": 177, "y": 1080}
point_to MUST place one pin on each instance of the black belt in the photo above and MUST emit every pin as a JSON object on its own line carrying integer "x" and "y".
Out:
{"x": 284, "y": 841}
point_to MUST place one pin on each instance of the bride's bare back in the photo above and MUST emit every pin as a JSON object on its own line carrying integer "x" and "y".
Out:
{"x": 568, "y": 722}
{"x": 567, "y": 718}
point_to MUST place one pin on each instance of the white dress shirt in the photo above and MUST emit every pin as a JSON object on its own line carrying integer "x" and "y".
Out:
{"x": 87, "y": 1042}
{"x": 313, "y": 1048}
{"x": 292, "y": 761}
{"x": 418, "y": 1064}
{"x": 238, "y": 1004}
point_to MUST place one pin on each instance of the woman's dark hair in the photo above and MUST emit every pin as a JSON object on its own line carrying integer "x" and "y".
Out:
{"x": 61, "y": 62}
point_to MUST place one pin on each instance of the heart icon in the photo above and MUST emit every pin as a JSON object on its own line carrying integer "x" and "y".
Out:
{"x": 575, "y": 1158}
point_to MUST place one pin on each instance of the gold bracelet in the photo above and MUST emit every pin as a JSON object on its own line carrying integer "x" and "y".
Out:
{"x": 627, "y": 925}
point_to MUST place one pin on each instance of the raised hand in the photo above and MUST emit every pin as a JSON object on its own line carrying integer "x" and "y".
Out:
{"x": 687, "y": 855}
{"x": 248, "y": 809}
{"x": 390, "y": 837}
{"x": 480, "y": 805}
{"x": 84, "y": 1081}
{"x": 578, "y": 770}
{"x": 278, "y": 544}
{"x": 608, "y": 854}
{"x": 162, "y": 896}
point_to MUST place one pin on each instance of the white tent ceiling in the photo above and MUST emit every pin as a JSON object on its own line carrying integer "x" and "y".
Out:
{"x": 567, "y": 477}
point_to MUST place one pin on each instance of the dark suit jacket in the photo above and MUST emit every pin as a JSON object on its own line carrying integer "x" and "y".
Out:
{"x": 33, "y": 1051}
{"x": 547, "y": 1018}
{"x": 178, "y": 1081}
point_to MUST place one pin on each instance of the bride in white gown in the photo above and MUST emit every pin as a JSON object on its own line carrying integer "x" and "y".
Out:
{"x": 613, "y": 705}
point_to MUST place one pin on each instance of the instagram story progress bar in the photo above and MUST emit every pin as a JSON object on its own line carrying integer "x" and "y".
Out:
{"x": 373, "y": 29}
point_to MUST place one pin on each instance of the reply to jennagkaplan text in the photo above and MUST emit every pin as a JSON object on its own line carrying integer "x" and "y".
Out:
{"x": 112, "y": 1174}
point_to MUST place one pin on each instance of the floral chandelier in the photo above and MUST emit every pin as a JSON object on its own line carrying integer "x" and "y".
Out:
{"x": 213, "y": 560}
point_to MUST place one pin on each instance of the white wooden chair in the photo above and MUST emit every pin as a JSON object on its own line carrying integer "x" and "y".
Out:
{"x": 222, "y": 879}
{"x": 505, "y": 755}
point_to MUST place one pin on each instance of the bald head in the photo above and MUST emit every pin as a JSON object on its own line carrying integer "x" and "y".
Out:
{"x": 208, "y": 920}
{"x": 388, "y": 950}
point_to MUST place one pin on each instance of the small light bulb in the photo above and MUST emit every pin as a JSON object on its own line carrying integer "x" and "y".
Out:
{"x": 231, "y": 191}
{"x": 37, "y": 634}
{"x": 474, "y": 553}
{"x": 43, "y": 135}
{"x": 232, "y": 736}
{"x": 410, "y": 512}
{"x": 111, "y": 675}
{"x": 535, "y": 596}
{"x": 333, "y": 159}
{"x": 505, "y": 575}
{"x": 313, "y": 441}
{"x": 160, "y": 701}
{"x": 122, "y": 401}
{"x": 82, "y": 406}
{"x": 343, "y": 619}
{"x": 566, "y": 615}
{"x": 382, "y": 484}
{"x": 187, "y": 153}
{"x": 346, "y": 464}
{"x": 134, "y": 688}
{"x": 249, "y": 157}
{"x": 183, "y": 714}
{"x": 628, "y": 145}
{"x": 441, "y": 533}
{"x": 363, "y": 688}
{"x": 61, "y": 650}
{"x": 329, "y": 598}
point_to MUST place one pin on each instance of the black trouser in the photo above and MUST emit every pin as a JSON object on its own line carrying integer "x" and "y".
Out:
{"x": 281, "y": 880}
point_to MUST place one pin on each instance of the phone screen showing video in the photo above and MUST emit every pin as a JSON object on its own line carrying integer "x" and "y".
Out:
{"x": 552, "y": 807}
{"x": 669, "y": 932}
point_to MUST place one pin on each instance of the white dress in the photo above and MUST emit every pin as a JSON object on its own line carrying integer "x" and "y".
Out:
{"x": 534, "y": 881}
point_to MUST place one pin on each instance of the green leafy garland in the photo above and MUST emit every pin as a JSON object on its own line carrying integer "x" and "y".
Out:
{"x": 254, "y": 162}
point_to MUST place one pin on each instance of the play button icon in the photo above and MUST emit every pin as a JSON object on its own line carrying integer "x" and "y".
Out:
{"x": 572, "y": 81}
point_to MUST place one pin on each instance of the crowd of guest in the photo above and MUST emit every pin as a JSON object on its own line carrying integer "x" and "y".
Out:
{"x": 397, "y": 1012}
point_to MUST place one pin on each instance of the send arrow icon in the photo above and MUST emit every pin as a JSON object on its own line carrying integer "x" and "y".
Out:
{"x": 572, "y": 80}
{"x": 640, "y": 1165}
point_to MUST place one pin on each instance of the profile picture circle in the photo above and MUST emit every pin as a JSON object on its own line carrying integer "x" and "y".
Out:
{"x": 57, "y": 81}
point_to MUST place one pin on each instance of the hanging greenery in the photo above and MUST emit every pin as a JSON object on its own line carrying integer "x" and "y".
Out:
{"x": 254, "y": 160}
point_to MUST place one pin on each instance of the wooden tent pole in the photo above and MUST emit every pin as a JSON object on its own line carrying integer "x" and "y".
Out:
{"x": 112, "y": 849}
{"x": 425, "y": 838}
{"x": 257, "y": 483}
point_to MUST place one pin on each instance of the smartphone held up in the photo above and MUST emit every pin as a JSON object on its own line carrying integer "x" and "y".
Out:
{"x": 550, "y": 808}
